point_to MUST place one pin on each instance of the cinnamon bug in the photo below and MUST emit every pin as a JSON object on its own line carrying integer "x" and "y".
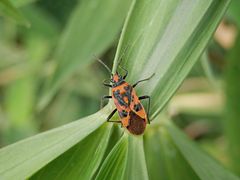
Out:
{"x": 131, "y": 112}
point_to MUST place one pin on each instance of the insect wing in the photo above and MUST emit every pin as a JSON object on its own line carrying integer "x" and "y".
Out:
{"x": 137, "y": 124}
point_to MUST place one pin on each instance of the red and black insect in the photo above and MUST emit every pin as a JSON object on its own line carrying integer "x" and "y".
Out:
{"x": 131, "y": 112}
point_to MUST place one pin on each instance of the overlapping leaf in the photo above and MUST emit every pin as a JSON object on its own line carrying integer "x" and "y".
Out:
{"x": 114, "y": 165}
{"x": 136, "y": 167}
{"x": 79, "y": 161}
{"x": 203, "y": 165}
{"x": 167, "y": 38}
{"x": 164, "y": 160}
{"x": 24, "y": 158}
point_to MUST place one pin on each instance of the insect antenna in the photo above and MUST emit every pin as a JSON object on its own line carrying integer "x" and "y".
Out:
{"x": 99, "y": 60}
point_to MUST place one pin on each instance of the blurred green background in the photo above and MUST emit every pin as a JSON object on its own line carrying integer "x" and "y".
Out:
{"x": 206, "y": 106}
{"x": 26, "y": 64}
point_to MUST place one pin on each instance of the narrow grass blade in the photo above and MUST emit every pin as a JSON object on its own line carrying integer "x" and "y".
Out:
{"x": 24, "y": 158}
{"x": 164, "y": 161}
{"x": 204, "y": 166}
{"x": 136, "y": 167}
{"x": 205, "y": 63}
{"x": 114, "y": 165}
{"x": 82, "y": 160}
{"x": 154, "y": 156}
{"x": 167, "y": 38}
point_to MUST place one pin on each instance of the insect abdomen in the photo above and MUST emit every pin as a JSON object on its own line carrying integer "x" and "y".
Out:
{"x": 137, "y": 124}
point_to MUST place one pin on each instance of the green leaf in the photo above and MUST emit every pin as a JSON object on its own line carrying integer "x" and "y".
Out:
{"x": 20, "y": 117}
{"x": 115, "y": 137}
{"x": 232, "y": 107}
{"x": 164, "y": 161}
{"x": 233, "y": 12}
{"x": 20, "y": 3}
{"x": 167, "y": 38}
{"x": 154, "y": 156}
{"x": 126, "y": 160}
{"x": 114, "y": 165}
{"x": 8, "y": 10}
{"x": 136, "y": 164}
{"x": 92, "y": 27}
{"x": 204, "y": 166}
{"x": 24, "y": 158}
{"x": 82, "y": 160}
{"x": 205, "y": 63}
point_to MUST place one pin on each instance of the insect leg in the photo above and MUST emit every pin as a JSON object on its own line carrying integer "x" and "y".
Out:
{"x": 143, "y": 80}
{"x": 106, "y": 84}
{"x": 148, "y": 106}
{"x": 103, "y": 98}
{"x": 111, "y": 115}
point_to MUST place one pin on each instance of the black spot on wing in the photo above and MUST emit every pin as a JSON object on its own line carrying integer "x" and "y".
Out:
{"x": 128, "y": 93}
{"x": 137, "y": 107}
{"x": 123, "y": 113}
{"x": 121, "y": 96}
{"x": 118, "y": 96}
